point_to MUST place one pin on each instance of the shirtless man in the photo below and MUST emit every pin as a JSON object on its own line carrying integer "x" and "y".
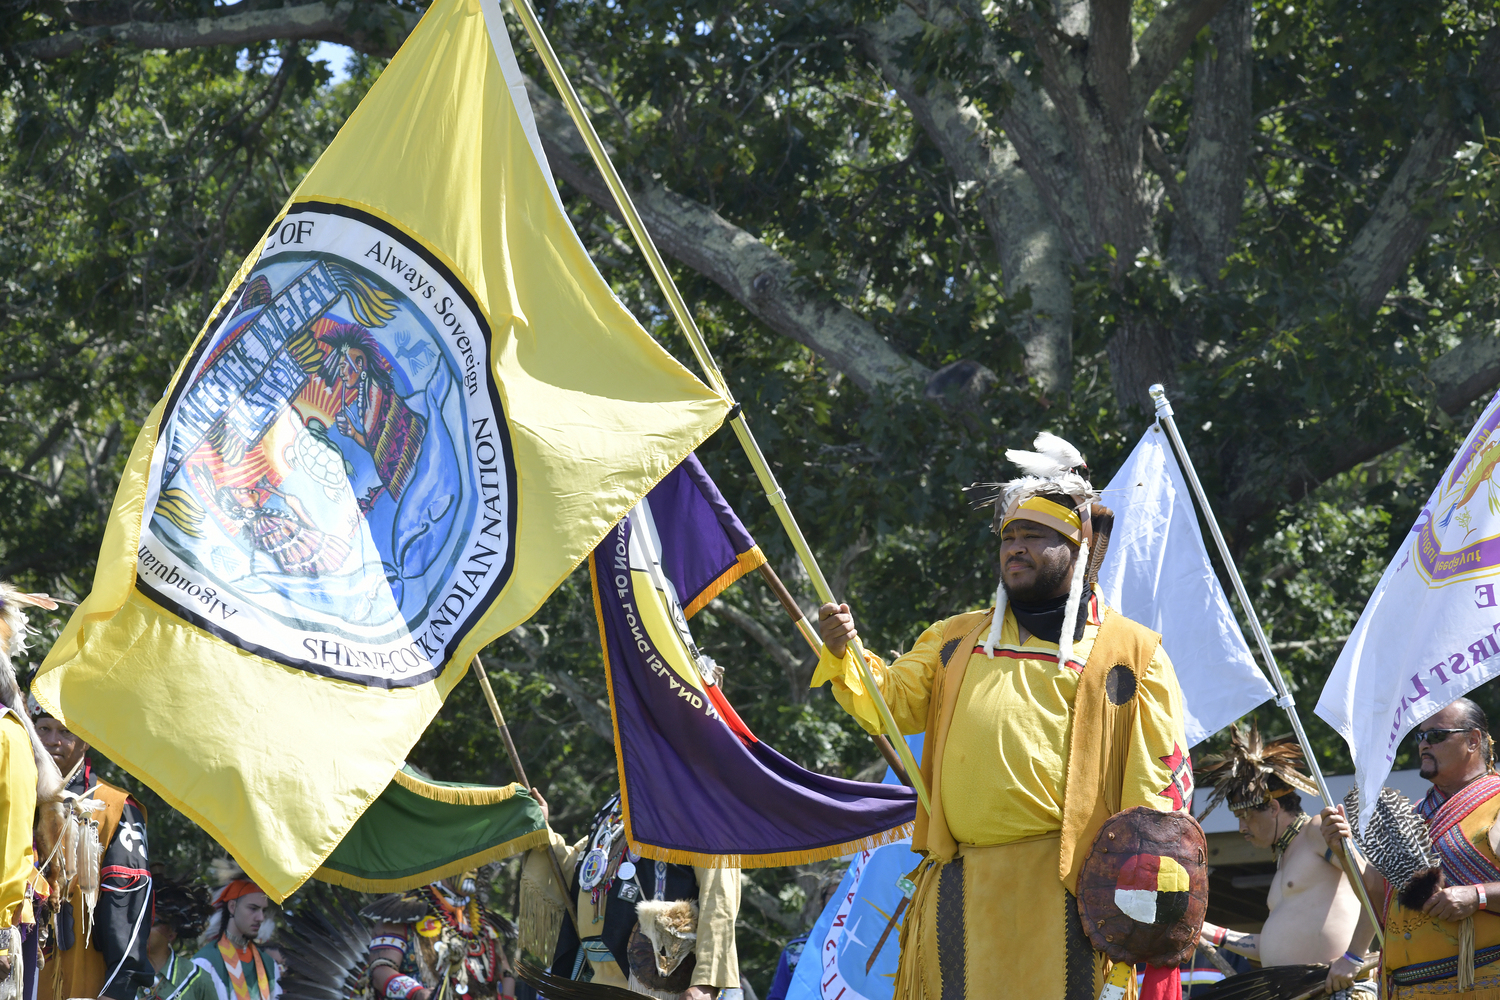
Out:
{"x": 1315, "y": 914}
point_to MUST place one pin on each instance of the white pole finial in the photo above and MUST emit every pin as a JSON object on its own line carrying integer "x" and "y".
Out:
{"x": 1159, "y": 397}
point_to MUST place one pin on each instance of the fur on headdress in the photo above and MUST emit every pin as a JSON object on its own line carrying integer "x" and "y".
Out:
{"x": 1242, "y": 775}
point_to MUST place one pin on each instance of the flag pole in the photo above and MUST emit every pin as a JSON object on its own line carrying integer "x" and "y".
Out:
{"x": 515, "y": 765}
{"x": 815, "y": 643}
{"x": 1283, "y": 697}
{"x": 774, "y": 493}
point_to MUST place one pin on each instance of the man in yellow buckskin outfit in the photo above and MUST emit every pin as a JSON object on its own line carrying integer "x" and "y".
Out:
{"x": 1042, "y": 719}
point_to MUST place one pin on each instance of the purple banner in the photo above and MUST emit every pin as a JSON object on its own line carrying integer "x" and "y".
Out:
{"x": 698, "y": 787}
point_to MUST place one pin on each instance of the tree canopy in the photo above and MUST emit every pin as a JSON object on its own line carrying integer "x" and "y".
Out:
{"x": 915, "y": 234}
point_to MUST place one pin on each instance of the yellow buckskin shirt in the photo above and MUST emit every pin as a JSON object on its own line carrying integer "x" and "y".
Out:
{"x": 1004, "y": 770}
{"x": 998, "y": 838}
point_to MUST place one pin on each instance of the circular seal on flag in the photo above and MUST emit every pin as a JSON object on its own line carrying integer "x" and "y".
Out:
{"x": 1143, "y": 889}
{"x": 333, "y": 485}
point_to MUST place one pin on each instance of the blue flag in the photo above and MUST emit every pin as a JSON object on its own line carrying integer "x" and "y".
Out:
{"x": 852, "y": 951}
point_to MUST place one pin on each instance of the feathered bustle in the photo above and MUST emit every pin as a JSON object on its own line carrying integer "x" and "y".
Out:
{"x": 326, "y": 943}
{"x": 1274, "y": 983}
{"x": 562, "y": 988}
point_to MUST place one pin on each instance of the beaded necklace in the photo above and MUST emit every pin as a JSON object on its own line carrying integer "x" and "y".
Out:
{"x": 1285, "y": 840}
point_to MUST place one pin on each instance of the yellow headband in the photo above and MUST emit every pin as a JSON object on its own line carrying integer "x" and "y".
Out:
{"x": 1064, "y": 520}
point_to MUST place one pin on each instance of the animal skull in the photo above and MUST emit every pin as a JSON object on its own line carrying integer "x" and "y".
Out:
{"x": 672, "y": 929}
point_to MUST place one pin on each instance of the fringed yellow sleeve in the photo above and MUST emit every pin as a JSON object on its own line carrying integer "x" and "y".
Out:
{"x": 906, "y": 682}
{"x": 543, "y": 906}
{"x": 718, "y": 907}
{"x": 1158, "y": 771}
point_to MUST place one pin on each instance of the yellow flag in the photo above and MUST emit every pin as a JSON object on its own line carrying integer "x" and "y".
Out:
{"x": 414, "y": 412}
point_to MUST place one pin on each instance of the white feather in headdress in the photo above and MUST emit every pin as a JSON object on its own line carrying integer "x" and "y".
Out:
{"x": 1052, "y": 468}
{"x": 1060, "y": 451}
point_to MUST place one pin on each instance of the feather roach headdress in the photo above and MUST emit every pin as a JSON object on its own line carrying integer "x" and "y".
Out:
{"x": 1253, "y": 772}
{"x": 1052, "y": 492}
{"x": 1397, "y": 843}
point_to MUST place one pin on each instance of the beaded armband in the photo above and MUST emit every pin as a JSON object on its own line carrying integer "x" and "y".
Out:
{"x": 401, "y": 987}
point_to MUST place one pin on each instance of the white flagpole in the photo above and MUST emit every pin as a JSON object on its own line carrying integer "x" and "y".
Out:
{"x": 1283, "y": 697}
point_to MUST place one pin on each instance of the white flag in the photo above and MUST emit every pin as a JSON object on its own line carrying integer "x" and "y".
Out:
{"x": 1429, "y": 633}
{"x": 1157, "y": 572}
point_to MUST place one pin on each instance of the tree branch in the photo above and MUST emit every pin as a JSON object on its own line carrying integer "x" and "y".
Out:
{"x": 797, "y": 669}
{"x": 1218, "y": 148}
{"x": 1032, "y": 253}
{"x": 1380, "y": 251}
{"x": 378, "y": 30}
{"x": 759, "y": 278}
{"x": 1163, "y": 45}
{"x": 1454, "y": 380}
{"x": 595, "y": 714}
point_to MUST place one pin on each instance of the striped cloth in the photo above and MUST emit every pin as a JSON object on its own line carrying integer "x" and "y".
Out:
{"x": 1463, "y": 864}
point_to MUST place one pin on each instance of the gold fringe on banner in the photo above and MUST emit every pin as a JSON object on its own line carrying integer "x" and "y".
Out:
{"x": 803, "y": 857}
{"x": 466, "y": 795}
{"x": 748, "y": 561}
{"x": 499, "y": 852}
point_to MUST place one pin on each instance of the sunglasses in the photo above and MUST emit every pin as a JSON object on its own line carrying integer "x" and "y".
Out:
{"x": 1432, "y": 737}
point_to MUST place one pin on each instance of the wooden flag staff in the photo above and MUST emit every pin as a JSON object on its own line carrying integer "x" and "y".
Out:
{"x": 806, "y": 630}
{"x": 1283, "y": 697}
{"x": 774, "y": 493}
{"x": 515, "y": 764}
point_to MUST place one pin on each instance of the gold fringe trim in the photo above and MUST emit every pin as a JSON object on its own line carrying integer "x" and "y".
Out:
{"x": 525, "y": 842}
{"x": 469, "y": 795}
{"x": 747, "y": 561}
{"x": 540, "y": 922}
{"x": 767, "y": 860}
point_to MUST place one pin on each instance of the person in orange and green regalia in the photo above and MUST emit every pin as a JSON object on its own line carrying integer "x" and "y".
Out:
{"x": 439, "y": 943}
{"x": 231, "y": 965}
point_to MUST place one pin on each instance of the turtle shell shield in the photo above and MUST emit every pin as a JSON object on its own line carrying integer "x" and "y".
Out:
{"x": 1143, "y": 889}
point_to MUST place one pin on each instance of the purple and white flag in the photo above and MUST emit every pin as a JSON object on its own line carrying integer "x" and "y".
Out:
{"x": 1429, "y": 632}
